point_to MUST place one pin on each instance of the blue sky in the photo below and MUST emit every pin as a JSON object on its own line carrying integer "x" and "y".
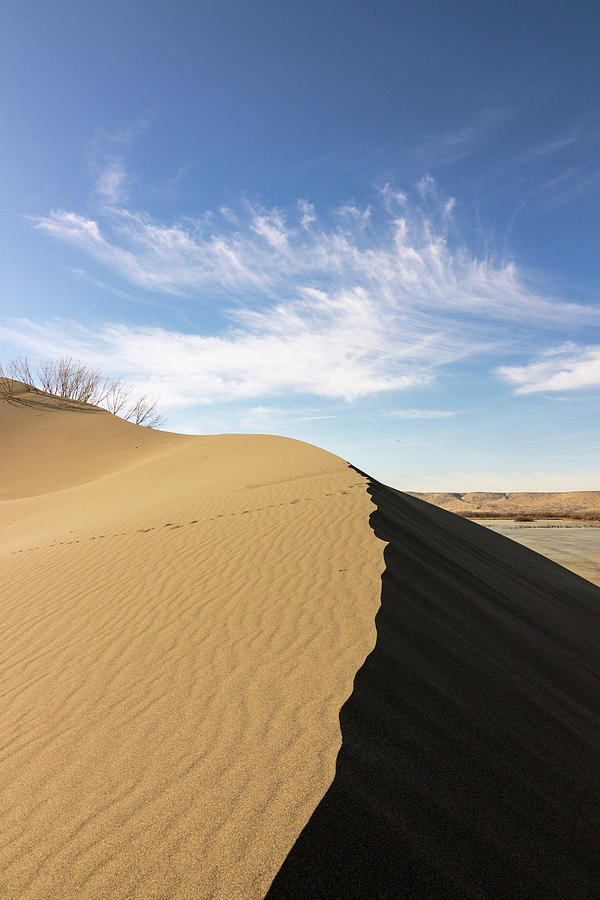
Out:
{"x": 373, "y": 227}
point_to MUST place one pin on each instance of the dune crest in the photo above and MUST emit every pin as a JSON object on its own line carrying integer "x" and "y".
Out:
{"x": 183, "y": 619}
{"x": 188, "y": 621}
{"x": 469, "y": 761}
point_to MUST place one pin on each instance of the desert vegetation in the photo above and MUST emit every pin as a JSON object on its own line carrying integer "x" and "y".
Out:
{"x": 591, "y": 515}
{"x": 73, "y": 381}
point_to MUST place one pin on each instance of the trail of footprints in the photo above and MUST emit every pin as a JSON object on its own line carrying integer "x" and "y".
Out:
{"x": 174, "y": 526}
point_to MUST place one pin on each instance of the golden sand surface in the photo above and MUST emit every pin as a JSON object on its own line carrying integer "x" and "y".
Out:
{"x": 182, "y": 619}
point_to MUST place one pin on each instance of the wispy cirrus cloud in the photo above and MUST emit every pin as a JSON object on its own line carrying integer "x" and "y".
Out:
{"x": 566, "y": 187}
{"x": 556, "y": 144}
{"x": 400, "y": 257}
{"x": 106, "y": 162}
{"x": 110, "y": 185}
{"x": 261, "y": 416}
{"x": 422, "y": 413}
{"x": 356, "y": 302}
{"x": 448, "y": 147}
{"x": 555, "y": 172}
{"x": 565, "y": 368}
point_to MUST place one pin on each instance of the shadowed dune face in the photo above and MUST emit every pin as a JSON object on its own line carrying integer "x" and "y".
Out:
{"x": 574, "y": 545}
{"x": 469, "y": 762}
{"x": 182, "y": 621}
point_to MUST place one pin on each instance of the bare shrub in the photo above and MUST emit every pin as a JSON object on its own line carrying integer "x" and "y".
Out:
{"x": 19, "y": 370}
{"x": 115, "y": 397}
{"x": 7, "y": 387}
{"x": 524, "y": 518}
{"x": 143, "y": 412}
{"x": 592, "y": 515}
{"x": 73, "y": 381}
{"x": 45, "y": 374}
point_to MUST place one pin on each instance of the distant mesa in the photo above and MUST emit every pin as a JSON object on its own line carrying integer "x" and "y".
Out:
{"x": 567, "y": 504}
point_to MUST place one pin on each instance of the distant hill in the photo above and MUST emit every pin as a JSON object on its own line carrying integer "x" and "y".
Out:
{"x": 477, "y": 504}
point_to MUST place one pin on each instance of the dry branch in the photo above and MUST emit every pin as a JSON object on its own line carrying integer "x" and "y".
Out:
{"x": 73, "y": 381}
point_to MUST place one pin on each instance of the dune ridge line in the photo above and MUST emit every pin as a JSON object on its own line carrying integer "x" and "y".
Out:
{"x": 236, "y": 666}
{"x": 182, "y": 620}
{"x": 470, "y": 743}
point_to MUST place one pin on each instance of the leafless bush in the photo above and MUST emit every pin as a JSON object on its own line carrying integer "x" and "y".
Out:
{"x": 73, "y": 381}
{"x": 17, "y": 369}
{"x": 115, "y": 397}
{"x": 6, "y": 384}
{"x": 46, "y": 375}
{"x": 20, "y": 370}
{"x": 143, "y": 412}
{"x": 591, "y": 515}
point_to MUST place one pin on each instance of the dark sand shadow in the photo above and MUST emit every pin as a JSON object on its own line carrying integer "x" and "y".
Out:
{"x": 470, "y": 744}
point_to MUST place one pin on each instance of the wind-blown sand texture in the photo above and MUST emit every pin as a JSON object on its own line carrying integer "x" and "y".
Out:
{"x": 183, "y": 620}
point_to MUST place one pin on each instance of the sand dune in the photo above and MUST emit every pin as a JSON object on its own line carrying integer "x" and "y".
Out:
{"x": 469, "y": 762}
{"x": 183, "y": 620}
{"x": 181, "y": 623}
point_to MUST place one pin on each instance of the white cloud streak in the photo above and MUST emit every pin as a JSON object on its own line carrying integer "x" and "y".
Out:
{"x": 422, "y": 413}
{"x": 288, "y": 350}
{"x": 401, "y": 259}
{"x": 260, "y": 416}
{"x": 565, "y": 368}
{"x": 362, "y": 302}
{"x": 449, "y": 147}
{"x": 110, "y": 186}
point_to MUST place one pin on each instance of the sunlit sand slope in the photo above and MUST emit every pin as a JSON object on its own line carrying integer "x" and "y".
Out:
{"x": 76, "y": 443}
{"x": 182, "y": 619}
{"x": 469, "y": 762}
